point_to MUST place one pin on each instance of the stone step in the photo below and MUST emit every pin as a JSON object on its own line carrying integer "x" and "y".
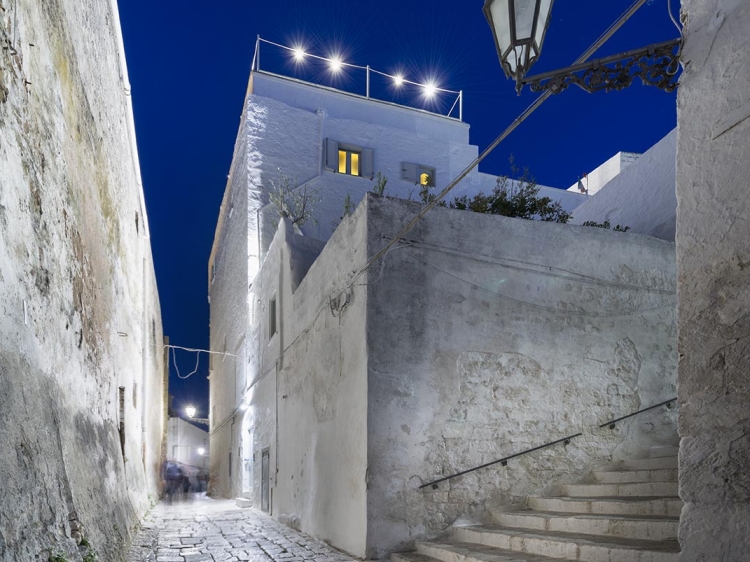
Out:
{"x": 637, "y": 506}
{"x": 629, "y": 527}
{"x": 588, "y": 548}
{"x": 641, "y": 489}
{"x": 459, "y": 552}
{"x": 623, "y": 476}
{"x": 663, "y": 451}
{"x": 243, "y": 502}
{"x": 648, "y": 464}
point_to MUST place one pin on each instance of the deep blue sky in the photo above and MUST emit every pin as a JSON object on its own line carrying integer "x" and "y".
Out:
{"x": 189, "y": 64}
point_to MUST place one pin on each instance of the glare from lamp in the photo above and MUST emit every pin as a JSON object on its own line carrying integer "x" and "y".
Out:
{"x": 430, "y": 89}
{"x": 190, "y": 411}
{"x": 398, "y": 80}
{"x": 335, "y": 63}
{"x": 299, "y": 54}
{"x": 201, "y": 451}
{"x": 243, "y": 407}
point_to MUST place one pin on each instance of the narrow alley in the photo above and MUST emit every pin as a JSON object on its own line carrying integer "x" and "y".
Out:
{"x": 200, "y": 529}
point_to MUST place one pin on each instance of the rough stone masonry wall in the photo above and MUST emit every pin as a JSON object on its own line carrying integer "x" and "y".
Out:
{"x": 488, "y": 336}
{"x": 713, "y": 257}
{"x": 79, "y": 311}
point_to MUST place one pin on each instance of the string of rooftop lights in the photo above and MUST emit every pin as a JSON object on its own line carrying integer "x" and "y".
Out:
{"x": 336, "y": 64}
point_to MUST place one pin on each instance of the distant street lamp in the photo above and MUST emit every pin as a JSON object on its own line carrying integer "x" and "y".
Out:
{"x": 201, "y": 451}
{"x": 190, "y": 411}
{"x": 519, "y": 28}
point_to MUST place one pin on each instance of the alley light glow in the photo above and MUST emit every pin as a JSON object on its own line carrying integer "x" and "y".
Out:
{"x": 398, "y": 80}
{"x": 430, "y": 89}
{"x": 201, "y": 451}
{"x": 190, "y": 411}
{"x": 299, "y": 54}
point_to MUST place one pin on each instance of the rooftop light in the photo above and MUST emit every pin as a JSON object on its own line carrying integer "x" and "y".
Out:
{"x": 335, "y": 63}
{"x": 299, "y": 54}
{"x": 430, "y": 89}
{"x": 398, "y": 80}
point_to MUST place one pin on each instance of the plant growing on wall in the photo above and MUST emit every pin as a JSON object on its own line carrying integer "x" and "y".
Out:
{"x": 379, "y": 187}
{"x": 513, "y": 198}
{"x": 606, "y": 224}
{"x": 348, "y": 210}
{"x": 294, "y": 203}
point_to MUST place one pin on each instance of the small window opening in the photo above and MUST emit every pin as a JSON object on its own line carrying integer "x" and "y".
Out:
{"x": 122, "y": 420}
{"x": 272, "y": 318}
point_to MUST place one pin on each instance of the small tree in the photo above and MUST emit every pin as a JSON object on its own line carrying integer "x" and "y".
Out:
{"x": 294, "y": 203}
{"x": 514, "y": 198}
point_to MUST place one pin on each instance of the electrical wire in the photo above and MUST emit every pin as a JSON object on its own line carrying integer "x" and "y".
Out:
{"x": 674, "y": 21}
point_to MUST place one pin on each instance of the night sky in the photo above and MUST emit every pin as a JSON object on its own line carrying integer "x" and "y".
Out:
{"x": 189, "y": 64}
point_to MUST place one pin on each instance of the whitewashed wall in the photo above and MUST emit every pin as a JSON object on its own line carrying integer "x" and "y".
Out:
{"x": 642, "y": 196}
{"x": 309, "y": 404}
{"x": 184, "y": 441}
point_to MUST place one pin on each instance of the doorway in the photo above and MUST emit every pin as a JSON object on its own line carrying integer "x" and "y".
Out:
{"x": 265, "y": 484}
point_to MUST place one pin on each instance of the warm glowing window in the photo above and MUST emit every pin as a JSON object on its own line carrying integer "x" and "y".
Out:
{"x": 349, "y": 159}
{"x": 419, "y": 174}
{"x": 348, "y": 162}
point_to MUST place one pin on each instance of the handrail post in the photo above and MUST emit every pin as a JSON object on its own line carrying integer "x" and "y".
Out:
{"x": 460, "y": 105}
{"x": 257, "y": 53}
{"x": 367, "y": 92}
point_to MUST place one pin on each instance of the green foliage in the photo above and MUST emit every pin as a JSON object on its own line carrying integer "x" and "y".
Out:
{"x": 294, "y": 203}
{"x": 514, "y": 198}
{"x": 606, "y": 224}
{"x": 90, "y": 557}
{"x": 58, "y": 557}
{"x": 379, "y": 187}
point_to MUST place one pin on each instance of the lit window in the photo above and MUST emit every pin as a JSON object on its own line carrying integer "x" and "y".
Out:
{"x": 419, "y": 174}
{"x": 348, "y": 162}
{"x": 349, "y": 159}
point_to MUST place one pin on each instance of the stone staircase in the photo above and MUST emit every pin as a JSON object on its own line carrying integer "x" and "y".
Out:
{"x": 626, "y": 514}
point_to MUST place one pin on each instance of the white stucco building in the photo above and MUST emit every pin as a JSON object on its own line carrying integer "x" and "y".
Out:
{"x": 340, "y": 394}
{"x": 187, "y": 444}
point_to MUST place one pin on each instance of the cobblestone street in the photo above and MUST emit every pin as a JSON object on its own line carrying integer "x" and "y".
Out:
{"x": 201, "y": 529}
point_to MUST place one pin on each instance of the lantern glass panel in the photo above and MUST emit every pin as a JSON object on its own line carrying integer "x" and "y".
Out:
{"x": 544, "y": 10}
{"x": 517, "y": 57}
{"x": 501, "y": 23}
{"x": 525, "y": 10}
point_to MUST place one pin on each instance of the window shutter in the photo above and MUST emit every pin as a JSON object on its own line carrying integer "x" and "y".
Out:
{"x": 367, "y": 163}
{"x": 332, "y": 154}
{"x": 409, "y": 172}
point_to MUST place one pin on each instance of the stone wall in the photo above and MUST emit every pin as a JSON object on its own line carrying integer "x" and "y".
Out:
{"x": 80, "y": 326}
{"x": 713, "y": 257}
{"x": 489, "y": 335}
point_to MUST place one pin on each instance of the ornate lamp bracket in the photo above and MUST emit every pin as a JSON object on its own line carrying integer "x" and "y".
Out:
{"x": 656, "y": 65}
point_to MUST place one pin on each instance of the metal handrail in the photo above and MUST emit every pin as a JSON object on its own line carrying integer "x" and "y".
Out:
{"x": 565, "y": 440}
{"x": 503, "y": 461}
{"x": 666, "y": 403}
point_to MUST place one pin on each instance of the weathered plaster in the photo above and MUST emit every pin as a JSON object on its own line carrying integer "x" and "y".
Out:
{"x": 477, "y": 351}
{"x": 713, "y": 230}
{"x": 80, "y": 310}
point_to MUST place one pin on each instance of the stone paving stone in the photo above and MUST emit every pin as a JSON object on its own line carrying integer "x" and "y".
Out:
{"x": 200, "y": 529}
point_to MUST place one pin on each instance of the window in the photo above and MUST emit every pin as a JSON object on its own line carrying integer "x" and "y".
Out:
{"x": 272, "y": 318}
{"x": 419, "y": 174}
{"x": 349, "y": 159}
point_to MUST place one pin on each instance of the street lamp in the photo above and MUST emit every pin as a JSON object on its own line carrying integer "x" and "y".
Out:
{"x": 190, "y": 411}
{"x": 519, "y": 27}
